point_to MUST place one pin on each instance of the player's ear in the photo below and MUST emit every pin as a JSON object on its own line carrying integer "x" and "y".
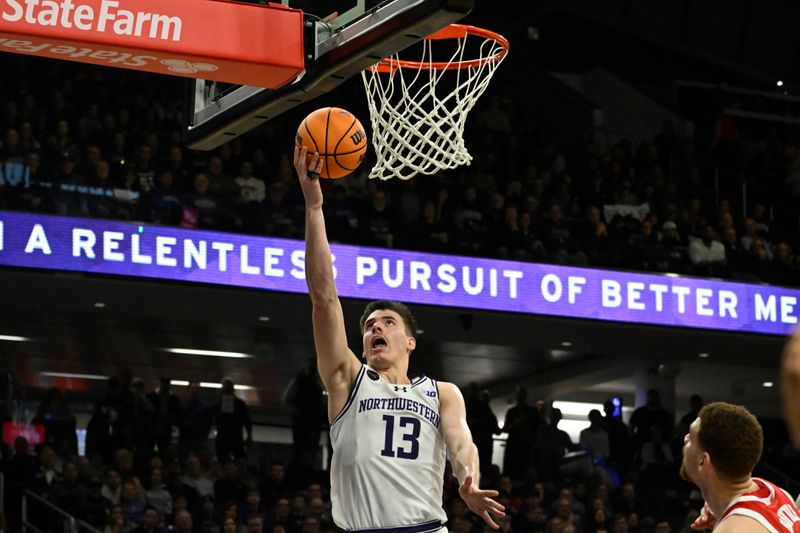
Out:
{"x": 705, "y": 460}
{"x": 412, "y": 343}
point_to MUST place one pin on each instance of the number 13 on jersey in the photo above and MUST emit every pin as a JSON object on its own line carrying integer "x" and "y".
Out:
{"x": 409, "y": 429}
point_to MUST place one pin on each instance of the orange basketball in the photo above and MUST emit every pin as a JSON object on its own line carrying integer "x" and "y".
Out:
{"x": 338, "y": 137}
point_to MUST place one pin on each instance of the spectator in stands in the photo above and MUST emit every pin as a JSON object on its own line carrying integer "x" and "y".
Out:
{"x": 195, "y": 478}
{"x": 280, "y": 221}
{"x": 68, "y": 492}
{"x": 429, "y": 233}
{"x": 618, "y": 440}
{"x": 521, "y": 423}
{"x": 118, "y": 522}
{"x": 59, "y": 423}
{"x": 280, "y": 515}
{"x": 132, "y": 500}
{"x": 695, "y": 404}
{"x": 204, "y": 210}
{"x": 734, "y": 254}
{"x": 166, "y": 200}
{"x": 206, "y": 517}
{"x": 229, "y": 525}
{"x": 594, "y": 439}
{"x": 275, "y": 485}
{"x": 150, "y": 522}
{"x": 195, "y": 422}
{"x": 784, "y": 265}
{"x": 255, "y": 524}
{"x": 649, "y": 415}
{"x": 183, "y": 522}
{"x": 707, "y": 254}
{"x": 305, "y": 399}
{"x": 376, "y": 221}
{"x": 157, "y": 496}
{"x": 493, "y": 117}
{"x": 112, "y": 487}
{"x": 232, "y": 418}
{"x": 482, "y": 423}
{"x": 229, "y": 488}
{"x": 46, "y": 475}
{"x": 551, "y": 446}
{"x": 250, "y": 202}
{"x": 750, "y": 234}
{"x": 760, "y": 267}
{"x": 167, "y": 413}
{"x": 95, "y": 507}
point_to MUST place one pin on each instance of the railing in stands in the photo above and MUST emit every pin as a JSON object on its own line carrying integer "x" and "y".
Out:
{"x": 56, "y": 520}
{"x": 739, "y": 192}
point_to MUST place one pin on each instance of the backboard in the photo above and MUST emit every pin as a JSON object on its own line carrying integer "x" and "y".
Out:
{"x": 342, "y": 38}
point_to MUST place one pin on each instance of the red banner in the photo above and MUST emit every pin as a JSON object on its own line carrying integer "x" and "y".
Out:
{"x": 259, "y": 45}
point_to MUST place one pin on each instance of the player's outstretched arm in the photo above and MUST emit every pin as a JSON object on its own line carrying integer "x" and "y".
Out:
{"x": 337, "y": 365}
{"x": 790, "y": 386}
{"x": 464, "y": 456}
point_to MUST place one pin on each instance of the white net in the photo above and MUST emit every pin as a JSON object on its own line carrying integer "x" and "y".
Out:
{"x": 418, "y": 123}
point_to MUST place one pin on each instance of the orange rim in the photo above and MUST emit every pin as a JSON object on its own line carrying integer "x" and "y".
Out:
{"x": 453, "y": 31}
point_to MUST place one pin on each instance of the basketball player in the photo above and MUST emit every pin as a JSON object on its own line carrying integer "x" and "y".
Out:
{"x": 719, "y": 453}
{"x": 389, "y": 433}
{"x": 790, "y": 386}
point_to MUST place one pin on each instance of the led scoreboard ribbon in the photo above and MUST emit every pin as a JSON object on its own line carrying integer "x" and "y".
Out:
{"x": 127, "y": 249}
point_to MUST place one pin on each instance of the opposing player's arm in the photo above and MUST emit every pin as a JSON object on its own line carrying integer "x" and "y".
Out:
{"x": 463, "y": 455}
{"x": 337, "y": 365}
{"x": 790, "y": 386}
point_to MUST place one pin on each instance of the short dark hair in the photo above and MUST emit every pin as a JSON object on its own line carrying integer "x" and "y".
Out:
{"x": 733, "y": 438}
{"x": 399, "y": 308}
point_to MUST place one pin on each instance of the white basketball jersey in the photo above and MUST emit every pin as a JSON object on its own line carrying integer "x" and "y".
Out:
{"x": 387, "y": 469}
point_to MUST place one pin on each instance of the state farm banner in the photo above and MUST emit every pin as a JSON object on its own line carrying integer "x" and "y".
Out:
{"x": 129, "y": 249}
{"x": 249, "y": 44}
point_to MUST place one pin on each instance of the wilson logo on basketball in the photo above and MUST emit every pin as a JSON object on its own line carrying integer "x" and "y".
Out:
{"x": 358, "y": 136}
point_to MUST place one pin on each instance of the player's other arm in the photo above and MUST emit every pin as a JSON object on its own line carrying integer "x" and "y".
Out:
{"x": 790, "y": 386}
{"x": 337, "y": 365}
{"x": 463, "y": 455}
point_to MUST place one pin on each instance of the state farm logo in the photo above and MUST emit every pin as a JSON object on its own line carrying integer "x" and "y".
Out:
{"x": 181, "y": 66}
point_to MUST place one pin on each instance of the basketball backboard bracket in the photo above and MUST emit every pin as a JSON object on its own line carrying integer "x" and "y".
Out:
{"x": 336, "y": 51}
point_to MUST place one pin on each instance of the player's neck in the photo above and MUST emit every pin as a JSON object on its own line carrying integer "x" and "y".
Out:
{"x": 395, "y": 376}
{"x": 721, "y": 494}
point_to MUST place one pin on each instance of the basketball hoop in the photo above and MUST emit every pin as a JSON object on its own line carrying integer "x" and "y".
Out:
{"x": 415, "y": 129}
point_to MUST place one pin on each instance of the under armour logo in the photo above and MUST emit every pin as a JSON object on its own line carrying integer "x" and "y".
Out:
{"x": 181, "y": 66}
{"x": 397, "y": 389}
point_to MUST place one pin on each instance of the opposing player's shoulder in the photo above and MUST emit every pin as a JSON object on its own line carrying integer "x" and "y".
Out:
{"x": 740, "y": 524}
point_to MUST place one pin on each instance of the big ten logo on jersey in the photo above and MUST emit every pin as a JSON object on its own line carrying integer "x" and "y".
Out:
{"x": 430, "y": 393}
{"x": 789, "y": 518}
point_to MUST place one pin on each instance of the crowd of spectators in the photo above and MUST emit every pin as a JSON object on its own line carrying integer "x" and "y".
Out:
{"x": 107, "y": 143}
{"x": 150, "y": 466}
{"x": 615, "y": 477}
{"x": 86, "y": 141}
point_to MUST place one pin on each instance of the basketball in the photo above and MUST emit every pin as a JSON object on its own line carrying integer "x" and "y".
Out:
{"x": 338, "y": 137}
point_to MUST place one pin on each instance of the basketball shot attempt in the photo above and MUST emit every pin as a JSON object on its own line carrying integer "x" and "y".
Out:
{"x": 391, "y": 435}
{"x": 337, "y": 137}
